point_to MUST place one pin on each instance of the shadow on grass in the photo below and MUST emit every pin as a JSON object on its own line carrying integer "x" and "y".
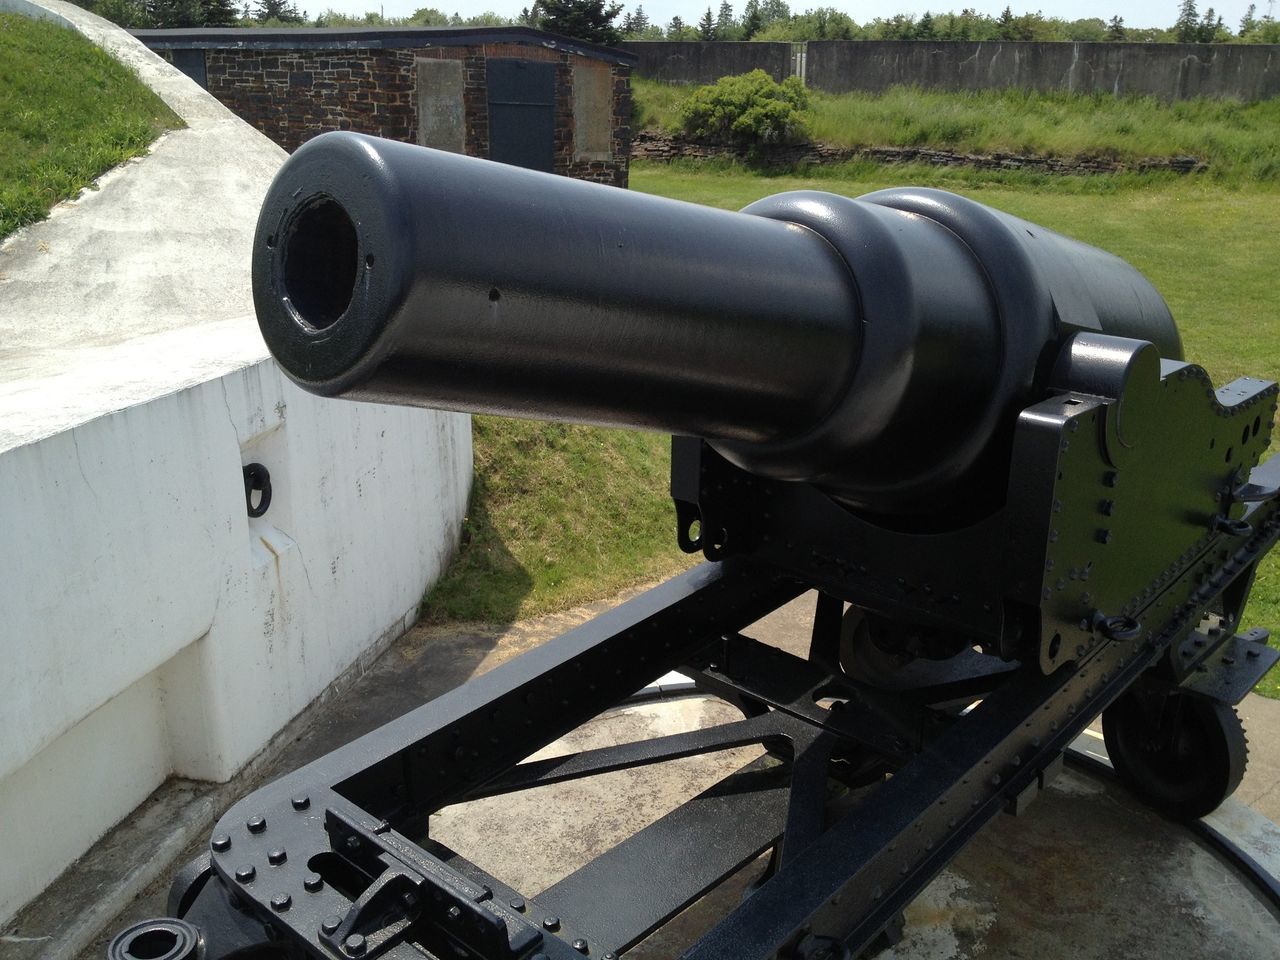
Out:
{"x": 485, "y": 583}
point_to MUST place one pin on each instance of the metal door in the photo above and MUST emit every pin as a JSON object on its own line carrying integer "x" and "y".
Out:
{"x": 522, "y": 100}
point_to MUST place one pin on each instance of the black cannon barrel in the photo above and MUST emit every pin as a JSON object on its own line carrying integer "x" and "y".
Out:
{"x": 872, "y": 346}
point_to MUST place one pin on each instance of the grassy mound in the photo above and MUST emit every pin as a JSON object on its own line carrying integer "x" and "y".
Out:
{"x": 68, "y": 113}
{"x": 560, "y": 514}
{"x": 1238, "y": 141}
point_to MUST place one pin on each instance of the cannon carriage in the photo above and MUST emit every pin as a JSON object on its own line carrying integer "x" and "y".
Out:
{"x": 977, "y": 441}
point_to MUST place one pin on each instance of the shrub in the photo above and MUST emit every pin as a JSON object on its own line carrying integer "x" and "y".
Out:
{"x": 749, "y": 108}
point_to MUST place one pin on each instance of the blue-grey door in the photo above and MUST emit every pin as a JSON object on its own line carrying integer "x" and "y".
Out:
{"x": 522, "y": 120}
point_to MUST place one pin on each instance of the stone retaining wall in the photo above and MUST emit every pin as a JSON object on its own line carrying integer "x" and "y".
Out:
{"x": 649, "y": 145}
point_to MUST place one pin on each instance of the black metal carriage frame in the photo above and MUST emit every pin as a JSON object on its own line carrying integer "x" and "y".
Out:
{"x": 866, "y": 787}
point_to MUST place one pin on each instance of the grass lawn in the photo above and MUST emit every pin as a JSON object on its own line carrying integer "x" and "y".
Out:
{"x": 68, "y": 113}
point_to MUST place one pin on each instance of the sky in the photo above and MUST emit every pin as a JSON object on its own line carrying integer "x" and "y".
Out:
{"x": 1136, "y": 13}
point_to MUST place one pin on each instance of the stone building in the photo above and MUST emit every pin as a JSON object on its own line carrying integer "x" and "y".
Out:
{"x": 511, "y": 94}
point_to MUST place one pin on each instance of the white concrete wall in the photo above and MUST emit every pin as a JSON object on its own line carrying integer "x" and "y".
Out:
{"x": 148, "y": 626}
{"x": 151, "y": 627}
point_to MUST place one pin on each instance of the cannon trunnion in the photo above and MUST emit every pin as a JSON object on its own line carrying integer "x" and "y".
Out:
{"x": 976, "y": 441}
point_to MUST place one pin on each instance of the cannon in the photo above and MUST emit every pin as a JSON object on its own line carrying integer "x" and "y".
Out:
{"x": 975, "y": 441}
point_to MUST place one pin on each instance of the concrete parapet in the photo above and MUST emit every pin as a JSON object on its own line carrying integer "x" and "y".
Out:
{"x": 151, "y": 627}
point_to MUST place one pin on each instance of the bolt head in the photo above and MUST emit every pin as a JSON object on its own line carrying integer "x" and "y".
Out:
{"x": 580, "y": 945}
{"x": 551, "y": 923}
{"x": 330, "y": 924}
{"x": 301, "y": 802}
{"x": 454, "y": 913}
{"x": 256, "y": 824}
{"x": 312, "y": 883}
{"x": 221, "y": 843}
{"x": 246, "y": 873}
{"x": 281, "y": 902}
{"x": 354, "y": 945}
{"x": 277, "y": 857}
{"x": 518, "y": 904}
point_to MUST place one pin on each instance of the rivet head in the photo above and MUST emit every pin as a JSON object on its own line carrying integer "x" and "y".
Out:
{"x": 281, "y": 902}
{"x": 301, "y": 802}
{"x": 330, "y": 924}
{"x": 312, "y": 883}
{"x": 221, "y": 843}
{"x": 246, "y": 873}
{"x": 256, "y": 824}
{"x": 551, "y": 923}
{"x": 277, "y": 857}
{"x": 354, "y": 945}
{"x": 580, "y": 945}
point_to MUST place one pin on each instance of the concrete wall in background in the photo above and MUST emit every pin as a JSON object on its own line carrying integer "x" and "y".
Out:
{"x": 695, "y": 61}
{"x": 1170, "y": 71}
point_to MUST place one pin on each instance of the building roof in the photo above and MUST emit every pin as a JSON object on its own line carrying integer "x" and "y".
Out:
{"x": 369, "y": 38}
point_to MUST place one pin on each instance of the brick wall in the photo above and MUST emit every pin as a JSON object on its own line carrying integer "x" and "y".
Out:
{"x": 293, "y": 95}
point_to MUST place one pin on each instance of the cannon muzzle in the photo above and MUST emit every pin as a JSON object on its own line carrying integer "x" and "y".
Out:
{"x": 878, "y": 347}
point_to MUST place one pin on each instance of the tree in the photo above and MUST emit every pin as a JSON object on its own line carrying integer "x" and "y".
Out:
{"x": 925, "y": 29}
{"x": 726, "y": 26}
{"x": 589, "y": 20}
{"x": 170, "y": 14}
{"x": 1006, "y": 24}
{"x": 219, "y": 13}
{"x": 1249, "y": 22}
{"x": 774, "y": 11}
{"x": 281, "y": 10}
{"x": 429, "y": 17}
{"x": 1211, "y": 27}
{"x": 677, "y": 29}
{"x": 707, "y": 26}
{"x": 528, "y": 16}
{"x": 1115, "y": 29}
{"x": 1186, "y": 29}
{"x": 752, "y": 21}
{"x": 131, "y": 14}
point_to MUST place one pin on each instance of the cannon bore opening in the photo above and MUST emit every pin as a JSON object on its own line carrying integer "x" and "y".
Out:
{"x": 321, "y": 262}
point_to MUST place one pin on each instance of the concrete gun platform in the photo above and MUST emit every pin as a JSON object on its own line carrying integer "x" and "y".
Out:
{"x": 1086, "y": 872}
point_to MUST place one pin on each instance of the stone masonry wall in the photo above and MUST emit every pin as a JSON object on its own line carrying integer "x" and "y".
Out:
{"x": 661, "y": 147}
{"x": 293, "y": 95}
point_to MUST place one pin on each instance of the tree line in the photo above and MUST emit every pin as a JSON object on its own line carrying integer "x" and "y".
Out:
{"x": 604, "y": 22}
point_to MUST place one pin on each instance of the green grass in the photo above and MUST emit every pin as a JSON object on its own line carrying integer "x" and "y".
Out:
{"x": 560, "y": 514}
{"x": 68, "y": 113}
{"x": 1238, "y": 141}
